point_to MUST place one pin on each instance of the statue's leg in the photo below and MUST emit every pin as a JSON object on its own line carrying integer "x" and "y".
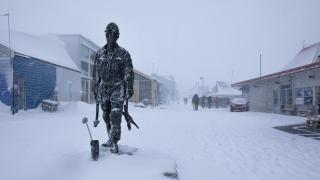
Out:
{"x": 106, "y": 107}
{"x": 117, "y": 100}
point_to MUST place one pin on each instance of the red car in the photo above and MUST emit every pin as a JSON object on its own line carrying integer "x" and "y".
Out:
{"x": 239, "y": 104}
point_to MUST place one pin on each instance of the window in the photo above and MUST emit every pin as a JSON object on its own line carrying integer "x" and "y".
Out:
{"x": 275, "y": 97}
{"x": 285, "y": 95}
{"x": 308, "y": 96}
{"x": 305, "y": 95}
{"x": 299, "y": 92}
{"x": 91, "y": 55}
{"x": 91, "y": 70}
{"x": 289, "y": 96}
{"x": 84, "y": 52}
{"x": 85, "y": 67}
{"x": 318, "y": 94}
{"x": 69, "y": 89}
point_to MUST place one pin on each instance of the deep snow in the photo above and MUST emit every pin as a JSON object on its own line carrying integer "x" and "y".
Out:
{"x": 208, "y": 144}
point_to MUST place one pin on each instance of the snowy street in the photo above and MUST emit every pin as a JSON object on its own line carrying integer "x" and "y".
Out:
{"x": 208, "y": 144}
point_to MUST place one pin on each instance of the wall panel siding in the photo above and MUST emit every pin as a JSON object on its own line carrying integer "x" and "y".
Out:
{"x": 39, "y": 78}
{"x": 261, "y": 93}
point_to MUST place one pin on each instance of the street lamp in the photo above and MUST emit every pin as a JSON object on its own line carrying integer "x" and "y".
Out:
{"x": 197, "y": 85}
{"x": 11, "y": 63}
{"x": 202, "y": 79}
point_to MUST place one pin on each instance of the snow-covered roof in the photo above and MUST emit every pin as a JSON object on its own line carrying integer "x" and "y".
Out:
{"x": 307, "y": 55}
{"x": 224, "y": 89}
{"x": 144, "y": 75}
{"x": 47, "y": 48}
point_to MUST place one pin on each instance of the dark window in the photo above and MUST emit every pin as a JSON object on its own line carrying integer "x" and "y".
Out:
{"x": 308, "y": 96}
{"x": 305, "y": 93}
{"x": 84, "y": 52}
{"x": 91, "y": 54}
{"x": 308, "y": 91}
{"x": 289, "y": 96}
{"x": 286, "y": 96}
{"x": 308, "y": 100}
{"x": 84, "y": 66}
{"x": 91, "y": 70}
{"x": 299, "y": 92}
{"x": 275, "y": 97}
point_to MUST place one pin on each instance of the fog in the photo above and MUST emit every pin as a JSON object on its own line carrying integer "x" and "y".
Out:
{"x": 217, "y": 40}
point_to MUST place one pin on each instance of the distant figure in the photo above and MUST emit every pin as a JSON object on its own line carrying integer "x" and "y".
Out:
{"x": 185, "y": 99}
{"x": 209, "y": 101}
{"x": 203, "y": 101}
{"x": 216, "y": 102}
{"x": 195, "y": 102}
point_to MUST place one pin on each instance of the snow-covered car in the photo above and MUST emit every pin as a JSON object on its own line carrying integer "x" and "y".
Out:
{"x": 239, "y": 104}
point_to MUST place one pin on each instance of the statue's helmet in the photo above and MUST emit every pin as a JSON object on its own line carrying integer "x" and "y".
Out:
{"x": 112, "y": 27}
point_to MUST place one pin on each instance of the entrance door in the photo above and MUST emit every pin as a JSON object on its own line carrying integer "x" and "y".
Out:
{"x": 317, "y": 93}
{"x": 21, "y": 93}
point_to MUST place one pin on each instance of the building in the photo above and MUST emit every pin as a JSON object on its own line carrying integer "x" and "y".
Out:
{"x": 223, "y": 89}
{"x": 167, "y": 89}
{"x": 222, "y": 93}
{"x": 290, "y": 90}
{"x": 146, "y": 89}
{"x": 81, "y": 50}
{"x": 42, "y": 69}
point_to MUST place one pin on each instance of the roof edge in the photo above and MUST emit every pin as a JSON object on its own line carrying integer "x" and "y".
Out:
{"x": 279, "y": 74}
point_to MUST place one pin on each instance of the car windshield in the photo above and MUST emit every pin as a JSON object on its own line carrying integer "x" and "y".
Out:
{"x": 239, "y": 101}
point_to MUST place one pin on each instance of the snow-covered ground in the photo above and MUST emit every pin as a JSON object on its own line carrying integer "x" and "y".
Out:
{"x": 208, "y": 144}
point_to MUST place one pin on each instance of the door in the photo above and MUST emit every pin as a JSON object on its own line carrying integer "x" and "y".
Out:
{"x": 317, "y": 93}
{"x": 21, "y": 94}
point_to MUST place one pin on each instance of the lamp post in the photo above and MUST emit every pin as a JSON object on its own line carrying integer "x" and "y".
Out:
{"x": 11, "y": 64}
{"x": 197, "y": 90}
{"x": 202, "y": 79}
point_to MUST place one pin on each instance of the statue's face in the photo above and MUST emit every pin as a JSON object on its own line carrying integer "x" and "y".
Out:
{"x": 112, "y": 37}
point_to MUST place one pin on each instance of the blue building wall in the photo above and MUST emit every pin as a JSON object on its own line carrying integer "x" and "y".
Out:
{"x": 39, "y": 80}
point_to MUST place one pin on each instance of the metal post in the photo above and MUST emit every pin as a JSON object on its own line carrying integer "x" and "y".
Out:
{"x": 11, "y": 64}
{"x": 197, "y": 90}
{"x": 202, "y": 79}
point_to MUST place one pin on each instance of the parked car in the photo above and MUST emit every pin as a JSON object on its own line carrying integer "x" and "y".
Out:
{"x": 239, "y": 104}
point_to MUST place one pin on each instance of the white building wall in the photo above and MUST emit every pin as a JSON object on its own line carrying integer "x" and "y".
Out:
{"x": 67, "y": 92}
{"x": 261, "y": 93}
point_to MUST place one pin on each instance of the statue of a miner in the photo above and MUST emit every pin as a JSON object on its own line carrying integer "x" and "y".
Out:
{"x": 113, "y": 77}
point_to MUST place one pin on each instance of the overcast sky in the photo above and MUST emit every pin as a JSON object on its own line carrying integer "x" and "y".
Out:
{"x": 185, "y": 39}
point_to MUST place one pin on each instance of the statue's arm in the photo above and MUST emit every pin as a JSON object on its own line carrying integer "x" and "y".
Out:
{"x": 128, "y": 75}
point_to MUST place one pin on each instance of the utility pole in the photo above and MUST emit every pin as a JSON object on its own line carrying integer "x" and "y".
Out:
{"x": 260, "y": 64}
{"x": 153, "y": 69}
{"x": 11, "y": 64}
{"x": 197, "y": 85}
{"x": 202, "y": 79}
{"x": 231, "y": 77}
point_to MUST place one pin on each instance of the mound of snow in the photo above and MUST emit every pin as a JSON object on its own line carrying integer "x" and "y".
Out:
{"x": 4, "y": 108}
